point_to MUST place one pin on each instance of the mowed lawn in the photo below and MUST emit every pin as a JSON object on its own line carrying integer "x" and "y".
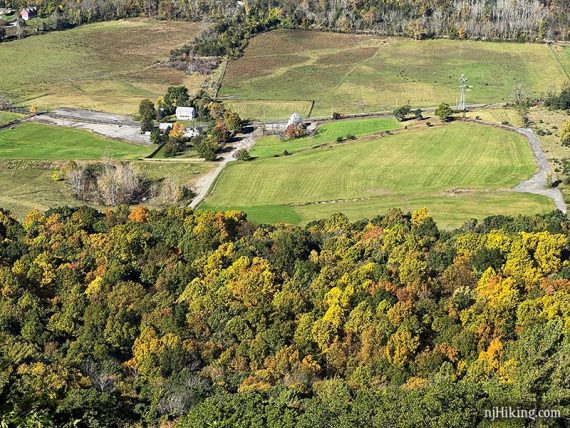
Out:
{"x": 107, "y": 66}
{"x": 44, "y": 142}
{"x": 349, "y": 73}
{"x": 270, "y": 146}
{"x": 459, "y": 171}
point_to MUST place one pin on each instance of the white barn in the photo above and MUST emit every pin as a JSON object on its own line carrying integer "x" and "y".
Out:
{"x": 185, "y": 113}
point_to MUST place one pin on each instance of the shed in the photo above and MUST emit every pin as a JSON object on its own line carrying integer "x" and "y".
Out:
{"x": 28, "y": 13}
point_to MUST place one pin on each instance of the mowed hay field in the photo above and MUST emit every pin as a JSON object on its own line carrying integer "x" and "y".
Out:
{"x": 349, "y": 73}
{"x": 459, "y": 171}
{"x": 44, "y": 142}
{"x": 268, "y": 110}
{"x": 108, "y": 66}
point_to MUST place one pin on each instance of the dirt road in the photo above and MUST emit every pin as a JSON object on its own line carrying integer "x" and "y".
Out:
{"x": 538, "y": 183}
{"x": 107, "y": 124}
{"x": 204, "y": 184}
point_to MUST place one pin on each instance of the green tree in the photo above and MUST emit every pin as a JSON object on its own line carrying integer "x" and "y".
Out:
{"x": 147, "y": 114}
{"x": 444, "y": 112}
{"x": 401, "y": 112}
{"x": 176, "y": 96}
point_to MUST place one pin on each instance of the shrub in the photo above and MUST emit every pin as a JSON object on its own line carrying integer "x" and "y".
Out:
{"x": 57, "y": 175}
{"x": 242, "y": 155}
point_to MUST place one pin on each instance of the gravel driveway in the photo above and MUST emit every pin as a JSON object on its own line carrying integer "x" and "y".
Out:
{"x": 107, "y": 124}
{"x": 538, "y": 183}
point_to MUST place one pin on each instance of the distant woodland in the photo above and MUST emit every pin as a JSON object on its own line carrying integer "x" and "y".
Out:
{"x": 140, "y": 318}
{"x": 473, "y": 19}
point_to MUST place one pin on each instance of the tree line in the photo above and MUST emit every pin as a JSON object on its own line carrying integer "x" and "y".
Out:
{"x": 131, "y": 317}
{"x": 524, "y": 20}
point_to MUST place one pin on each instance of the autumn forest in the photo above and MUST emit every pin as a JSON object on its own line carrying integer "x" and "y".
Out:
{"x": 134, "y": 317}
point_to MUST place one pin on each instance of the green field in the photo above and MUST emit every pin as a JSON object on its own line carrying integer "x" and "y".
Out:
{"x": 350, "y": 73}
{"x": 7, "y": 117}
{"x": 44, "y": 142}
{"x": 107, "y": 66}
{"x": 459, "y": 171}
{"x": 271, "y": 145}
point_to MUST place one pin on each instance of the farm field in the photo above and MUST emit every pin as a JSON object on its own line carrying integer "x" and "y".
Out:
{"x": 459, "y": 171}
{"x": 108, "y": 66}
{"x": 44, "y": 142}
{"x": 350, "y": 73}
{"x": 270, "y": 146}
{"x": 269, "y": 110}
{"x": 505, "y": 116}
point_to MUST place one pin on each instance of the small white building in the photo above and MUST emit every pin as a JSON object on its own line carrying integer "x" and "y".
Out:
{"x": 295, "y": 119}
{"x": 191, "y": 132}
{"x": 164, "y": 126}
{"x": 185, "y": 113}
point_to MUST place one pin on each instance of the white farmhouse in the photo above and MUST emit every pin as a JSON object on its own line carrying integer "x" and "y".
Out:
{"x": 185, "y": 113}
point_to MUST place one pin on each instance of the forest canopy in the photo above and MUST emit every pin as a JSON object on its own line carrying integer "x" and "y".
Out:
{"x": 134, "y": 317}
{"x": 473, "y": 19}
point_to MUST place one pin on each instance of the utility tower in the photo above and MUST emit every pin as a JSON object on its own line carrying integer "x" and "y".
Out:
{"x": 463, "y": 86}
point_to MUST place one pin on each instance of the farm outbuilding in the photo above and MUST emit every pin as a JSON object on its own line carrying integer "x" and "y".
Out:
{"x": 28, "y": 13}
{"x": 185, "y": 113}
{"x": 191, "y": 132}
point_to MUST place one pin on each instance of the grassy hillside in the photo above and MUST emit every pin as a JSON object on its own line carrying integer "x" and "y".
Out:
{"x": 7, "y": 117}
{"x": 271, "y": 145}
{"x": 43, "y": 142}
{"x": 459, "y": 171}
{"x": 107, "y": 66}
{"x": 350, "y": 73}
